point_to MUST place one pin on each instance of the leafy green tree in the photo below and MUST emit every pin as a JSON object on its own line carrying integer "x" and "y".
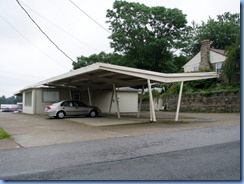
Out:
{"x": 146, "y": 36}
{"x": 222, "y": 32}
{"x": 232, "y": 63}
{"x": 102, "y": 57}
{"x": 2, "y": 100}
{"x": 179, "y": 61}
{"x": 10, "y": 100}
{"x": 18, "y": 99}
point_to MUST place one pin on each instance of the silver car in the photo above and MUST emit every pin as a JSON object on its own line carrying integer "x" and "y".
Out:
{"x": 71, "y": 108}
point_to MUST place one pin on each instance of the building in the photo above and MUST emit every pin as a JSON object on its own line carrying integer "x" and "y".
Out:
{"x": 102, "y": 85}
{"x": 207, "y": 58}
{"x": 36, "y": 99}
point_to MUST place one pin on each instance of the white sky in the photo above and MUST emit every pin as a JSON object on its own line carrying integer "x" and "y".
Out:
{"x": 27, "y": 56}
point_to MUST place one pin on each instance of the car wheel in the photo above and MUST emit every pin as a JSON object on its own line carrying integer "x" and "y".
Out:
{"x": 93, "y": 113}
{"x": 60, "y": 114}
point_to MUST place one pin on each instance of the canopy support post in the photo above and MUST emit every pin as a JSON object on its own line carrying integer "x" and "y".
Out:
{"x": 152, "y": 111}
{"x": 139, "y": 108}
{"x": 116, "y": 100}
{"x": 179, "y": 101}
{"x": 89, "y": 96}
{"x": 111, "y": 102}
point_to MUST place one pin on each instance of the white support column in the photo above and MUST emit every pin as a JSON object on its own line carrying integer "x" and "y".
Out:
{"x": 89, "y": 96}
{"x": 116, "y": 100}
{"x": 152, "y": 111}
{"x": 139, "y": 108}
{"x": 111, "y": 102}
{"x": 179, "y": 101}
{"x": 34, "y": 101}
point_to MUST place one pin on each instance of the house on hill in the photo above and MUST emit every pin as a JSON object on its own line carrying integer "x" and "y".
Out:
{"x": 206, "y": 58}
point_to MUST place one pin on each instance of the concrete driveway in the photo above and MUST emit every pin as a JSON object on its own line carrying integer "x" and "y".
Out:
{"x": 38, "y": 130}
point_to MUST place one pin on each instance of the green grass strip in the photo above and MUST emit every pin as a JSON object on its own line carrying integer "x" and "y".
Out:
{"x": 3, "y": 134}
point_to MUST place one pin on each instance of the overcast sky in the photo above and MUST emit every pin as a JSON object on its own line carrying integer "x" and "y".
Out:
{"x": 28, "y": 57}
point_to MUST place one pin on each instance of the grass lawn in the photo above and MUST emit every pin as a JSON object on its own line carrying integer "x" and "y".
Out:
{"x": 3, "y": 134}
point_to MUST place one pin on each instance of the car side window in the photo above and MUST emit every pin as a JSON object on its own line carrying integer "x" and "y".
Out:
{"x": 67, "y": 104}
{"x": 75, "y": 104}
{"x": 81, "y": 104}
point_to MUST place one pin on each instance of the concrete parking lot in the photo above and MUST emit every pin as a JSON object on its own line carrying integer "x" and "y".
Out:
{"x": 38, "y": 130}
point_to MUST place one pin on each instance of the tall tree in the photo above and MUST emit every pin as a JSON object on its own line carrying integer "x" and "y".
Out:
{"x": 10, "y": 100}
{"x": 222, "y": 32}
{"x": 102, "y": 57}
{"x": 146, "y": 36}
{"x": 231, "y": 66}
{"x": 2, "y": 100}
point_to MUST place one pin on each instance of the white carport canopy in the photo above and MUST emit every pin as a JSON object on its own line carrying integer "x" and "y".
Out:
{"x": 108, "y": 76}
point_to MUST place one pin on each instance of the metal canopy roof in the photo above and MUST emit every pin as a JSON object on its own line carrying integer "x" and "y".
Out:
{"x": 102, "y": 76}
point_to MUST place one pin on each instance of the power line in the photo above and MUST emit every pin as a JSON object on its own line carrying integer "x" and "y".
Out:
{"x": 77, "y": 39}
{"x": 89, "y": 16}
{"x": 44, "y": 32}
{"x": 31, "y": 42}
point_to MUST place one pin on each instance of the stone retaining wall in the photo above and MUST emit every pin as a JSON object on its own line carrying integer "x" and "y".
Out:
{"x": 216, "y": 102}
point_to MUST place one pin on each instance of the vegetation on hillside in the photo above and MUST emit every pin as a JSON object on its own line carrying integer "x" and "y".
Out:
{"x": 148, "y": 38}
{"x": 204, "y": 87}
{"x": 160, "y": 39}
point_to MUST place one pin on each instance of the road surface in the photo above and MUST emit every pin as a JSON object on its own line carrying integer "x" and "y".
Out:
{"x": 211, "y": 153}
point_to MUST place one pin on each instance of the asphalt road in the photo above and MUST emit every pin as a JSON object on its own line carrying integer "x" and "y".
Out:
{"x": 200, "y": 154}
{"x": 216, "y": 162}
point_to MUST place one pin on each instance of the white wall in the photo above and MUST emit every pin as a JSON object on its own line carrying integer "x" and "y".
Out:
{"x": 40, "y": 105}
{"x": 28, "y": 108}
{"x": 128, "y": 101}
{"x": 216, "y": 58}
{"x": 37, "y": 105}
{"x": 194, "y": 62}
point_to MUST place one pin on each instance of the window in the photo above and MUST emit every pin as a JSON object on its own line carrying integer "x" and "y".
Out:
{"x": 50, "y": 96}
{"x": 78, "y": 103}
{"x": 28, "y": 98}
{"x": 218, "y": 67}
{"x": 195, "y": 68}
{"x": 76, "y": 96}
{"x": 67, "y": 104}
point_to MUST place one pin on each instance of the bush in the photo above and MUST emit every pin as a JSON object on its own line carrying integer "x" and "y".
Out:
{"x": 205, "y": 87}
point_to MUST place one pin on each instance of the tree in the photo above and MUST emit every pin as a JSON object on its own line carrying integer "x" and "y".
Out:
{"x": 2, "y": 100}
{"x": 222, "y": 32}
{"x": 146, "y": 36}
{"x": 231, "y": 65}
{"x": 179, "y": 61}
{"x": 10, "y": 100}
{"x": 102, "y": 57}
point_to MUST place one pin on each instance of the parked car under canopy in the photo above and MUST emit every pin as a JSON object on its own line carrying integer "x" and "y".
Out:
{"x": 71, "y": 108}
